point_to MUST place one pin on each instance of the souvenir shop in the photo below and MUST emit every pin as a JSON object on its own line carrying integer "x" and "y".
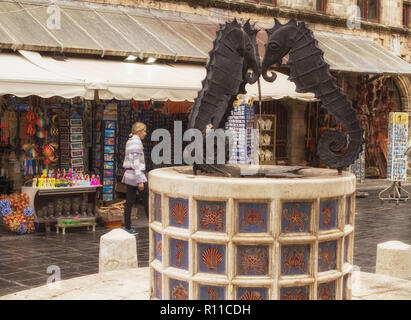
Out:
{"x": 373, "y": 98}
{"x": 62, "y": 158}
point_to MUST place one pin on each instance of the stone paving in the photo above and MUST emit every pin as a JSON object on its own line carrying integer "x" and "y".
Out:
{"x": 24, "y": 259}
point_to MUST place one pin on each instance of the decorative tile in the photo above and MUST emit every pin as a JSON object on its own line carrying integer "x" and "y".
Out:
{"x": 326, "y": 291}
{"x": 295, "y": 217}
{"x": 328, "y": 214}
{"x": 158, "y": 243}
{"x": 211, "y": 292}
{"x": 179, "y": 212}
{"x": 252, "y": 217}
{"x": 179, "y": 254}
{"x": 348, "y": 210}
{"x": 211, "y": 258}
{"x": 294, "y": 293}
{"x": 295, "y": 259}
{"x": 157, "y": 284}
{"x": 178, "y": 290}
{"x": 157, "y": 207}
{"x": 211, "y": 216}
{"x": 252, "y": 260}
{"x": 327, "y": 253}
{"x": 244, "y": 293}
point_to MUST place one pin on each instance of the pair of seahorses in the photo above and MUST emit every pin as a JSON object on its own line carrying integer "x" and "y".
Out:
{"x": 235, "y": 51}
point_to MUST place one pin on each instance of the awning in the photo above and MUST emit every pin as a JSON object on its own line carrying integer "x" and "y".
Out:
{"x": 359, "y": 54}
{"x": 22, "y": 78}
{"x": 125, "y": 81}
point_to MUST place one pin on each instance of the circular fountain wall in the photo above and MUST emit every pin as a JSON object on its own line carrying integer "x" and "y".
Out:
{"x": 251, "y": 238}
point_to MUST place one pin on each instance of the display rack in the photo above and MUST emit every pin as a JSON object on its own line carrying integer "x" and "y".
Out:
{"x": 266, "y": 124}
{"x": 241, "y": 121}
{"x": 109, "y": 160}
{"x": 397, "y": 160}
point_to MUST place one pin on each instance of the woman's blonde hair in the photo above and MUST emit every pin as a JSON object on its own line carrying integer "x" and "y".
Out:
{"x": 138, "y": 126}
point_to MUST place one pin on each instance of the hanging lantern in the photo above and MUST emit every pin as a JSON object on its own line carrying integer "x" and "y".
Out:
{"x": 41, "y": 122}
{"x": 31, "y": 129}
{"x": 31, "y": 116}
{"x": 33, "y": 152}
{"x": 41, "y": 133}
{"x": 54, "y": 131}
{"x": 47, "y": 152}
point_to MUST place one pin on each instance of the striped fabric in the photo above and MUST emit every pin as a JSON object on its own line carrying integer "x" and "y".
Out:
{"x": 134, "y": 161}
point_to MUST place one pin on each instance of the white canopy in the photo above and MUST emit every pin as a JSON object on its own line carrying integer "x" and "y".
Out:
{"x": 44, "y": 76}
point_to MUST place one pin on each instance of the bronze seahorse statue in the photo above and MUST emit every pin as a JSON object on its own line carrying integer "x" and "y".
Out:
{"x": 234, "y": 52}
{"x": 311, "y": 73}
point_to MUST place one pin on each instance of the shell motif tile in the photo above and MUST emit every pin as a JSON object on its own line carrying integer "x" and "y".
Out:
{"x": 294, "y": 293}
{"x": 348, "y": 210}
{"x": 295, "y": 259}
{"x": 157, "y": 207}
{"x": 211, "y": 216}
{"x": 327, "y": 255}
{"x": 252, "y": 217}
{"x": 326, "y": 291}
{"x": 179, "y": 212}
{"x": 212, "y": 258}
{"x": 158, "y": 284}
{"x": 158, "y": 243}
{"x": 207, "y": 292}
{"x": 295, "y": 217}
{"x": 250, "y": 293}
{"x": 252, "y": 260}
{"x": 179, "y": 253}
{"x": 178, "y": 289}
{"x": 328, "y": 214}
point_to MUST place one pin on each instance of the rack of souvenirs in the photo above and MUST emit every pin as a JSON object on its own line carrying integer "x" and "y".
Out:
{"x": 70, "y": 178}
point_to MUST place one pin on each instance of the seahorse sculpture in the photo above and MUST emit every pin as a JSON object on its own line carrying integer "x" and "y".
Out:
{"x": 234, "y": 52}
{"x": 311, "y": 73}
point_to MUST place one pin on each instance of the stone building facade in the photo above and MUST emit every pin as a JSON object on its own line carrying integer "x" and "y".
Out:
{"x": 386, "y": 22}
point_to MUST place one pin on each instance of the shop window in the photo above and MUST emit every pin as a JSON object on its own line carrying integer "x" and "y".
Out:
{"x": 406, "y": 14}
{"x": 321, "y": 5}
{"x": 370, "y": 9}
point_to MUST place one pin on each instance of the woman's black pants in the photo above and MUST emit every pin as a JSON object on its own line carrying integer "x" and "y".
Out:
{"x": 131, "y": 199}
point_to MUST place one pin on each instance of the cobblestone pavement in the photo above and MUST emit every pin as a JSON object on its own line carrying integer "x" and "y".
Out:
{"x": 24, "y": 259}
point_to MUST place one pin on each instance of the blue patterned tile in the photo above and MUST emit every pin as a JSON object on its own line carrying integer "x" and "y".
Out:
{"x": 327, "y": 253}
{"x": 252, "y": 217}
{"x": 157, "y": 207}
{"x": 211, "y": 216}
{"x": 252, "y": 260}
{"x": 211, "y": 292}
{"x": 294, "y": 293}
{"x": 250, "y": 293}
{"x": 158, "y": 243}
{"x": 178, "y": 290}
{"x": 179, "y": 212}
{"x": 158, "y": 285}
{"x": 328, "y": 214}
{"x": 326, "y": 291}
{"x": 295, "y": 259}
{"x": 211, "y": 258}
{"x": 295, "y": 217}
{"x": 179, "y": 254}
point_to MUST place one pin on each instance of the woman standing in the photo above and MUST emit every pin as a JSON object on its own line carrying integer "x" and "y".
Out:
{"x": 134, "y": 176}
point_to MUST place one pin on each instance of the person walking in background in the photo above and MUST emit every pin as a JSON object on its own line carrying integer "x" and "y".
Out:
{"x": 134, "y": 176}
